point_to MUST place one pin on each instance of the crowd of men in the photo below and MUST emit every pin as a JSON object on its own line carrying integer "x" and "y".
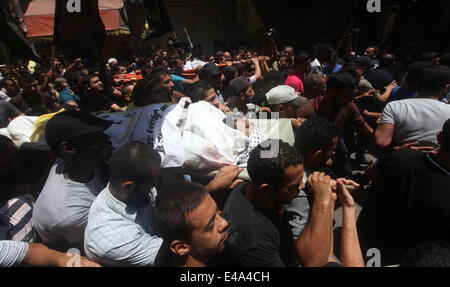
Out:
{"x": 363, "y": 111}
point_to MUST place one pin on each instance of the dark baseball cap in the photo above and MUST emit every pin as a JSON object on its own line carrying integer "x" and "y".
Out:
{"x": 73, "y": 124}
{"x": 364, "y": 61}
{"x": 239, "y": 84}
{"x": 209, "y": 69}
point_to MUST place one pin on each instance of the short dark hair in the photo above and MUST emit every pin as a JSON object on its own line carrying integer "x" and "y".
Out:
{"x": 339, "y": 81}
{"x": 25, "y": 79}
{"x": 197, "y": 91}
{"x": 86, "y": 81}
{"x": 312, "y": 80}
{"x": 271, "y": 168}
{"x": 415, "y": 69}
{"x": 72, "y": 77}
{"x": 429, "y": 254}
{"x": 173, "y": 205}
{"x": 433, "y": 79}
{"x": 315, "y": 134}
{"x": 144, "y": 86}
{"x": 351, "y": 68}
{"x": 387, "y": 60}
{"x": 301, "y": 57}
{"x": 132, "y": 162}
{"x": 375, "y": 48}
{"x": 229, "y": 72}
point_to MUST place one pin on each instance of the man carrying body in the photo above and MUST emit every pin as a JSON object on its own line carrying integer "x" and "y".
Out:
{"x": 188, "y": 220}
{"x": 78, "y": 175}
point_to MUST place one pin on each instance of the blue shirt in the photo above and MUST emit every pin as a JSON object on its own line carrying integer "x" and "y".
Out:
{"x": 327, "y": 70}
{"x": 401, "y": 93}
{"x": 67, "y": 95}
{"x": 178, "y": 83}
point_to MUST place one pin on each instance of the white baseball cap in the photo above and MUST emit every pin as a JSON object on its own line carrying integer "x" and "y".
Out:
{"x": 284, "y": 94}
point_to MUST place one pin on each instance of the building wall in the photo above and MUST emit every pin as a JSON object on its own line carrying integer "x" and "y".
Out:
{"x": 202, "y": 18}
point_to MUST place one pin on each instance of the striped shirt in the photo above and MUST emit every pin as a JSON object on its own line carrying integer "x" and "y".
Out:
{"x": 15, "y": 219}
{"x": 120, "y": 235}
{"x": 12, "y": 253}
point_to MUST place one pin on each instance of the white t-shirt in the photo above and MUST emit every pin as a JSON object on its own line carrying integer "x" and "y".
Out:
{"x": 416, "y": 120}
{"x": 61, "y": 211}
{"x": 12, "y": 253}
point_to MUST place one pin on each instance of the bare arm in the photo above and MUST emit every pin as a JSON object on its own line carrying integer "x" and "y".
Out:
{"x": 314, "y": 244}
{"x": 387, "y": 94}
{"x": 384, "y": 135}
{"x": 39, "y": 255}
{"x": 351, "y": 255}
{"x": 223, "y": 182}
{"x": 258, "y": 74}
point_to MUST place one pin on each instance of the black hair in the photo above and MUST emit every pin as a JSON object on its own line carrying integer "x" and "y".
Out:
{"x": 240, "y": 67}
{"x": 433, "y": 79}
{"x": 387, "y": 60}
{"x": 415, "y": 69}
{"x": 312, "y": 80}
{"x": 269, "y": 160}
{"x": 86, "y": 81}
{"x": 144, "y": 86}
{"x": 351, "y": 68}
{"x": 315, "y": 134}
{"x": 324, "y": 48}
{"x": 197, "y": 91}
{"x": 72, "y": 77}
{"x": 429, "y": 254}
{"x": 25, "y": 79}
{"x": 376, "y": 50}
{"x": 132, "y": 162}
{"x": 229, "y": 72}
{"x": 173, "y": 205}
{"x": 301, "y": 57}
{"x": 340, "y": 81}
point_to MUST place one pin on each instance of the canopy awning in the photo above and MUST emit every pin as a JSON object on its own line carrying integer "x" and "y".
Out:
{"x": 40, "y": 17}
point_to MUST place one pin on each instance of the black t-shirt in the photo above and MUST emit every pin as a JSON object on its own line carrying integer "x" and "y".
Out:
{"x": 95, "y": 103}
{"x": 411, "y": 205}
{"x": 254, "y": 235}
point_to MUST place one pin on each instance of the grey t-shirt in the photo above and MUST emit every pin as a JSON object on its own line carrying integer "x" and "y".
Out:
{"x": 61, "y": 211}
{"x": 416, "y": 120}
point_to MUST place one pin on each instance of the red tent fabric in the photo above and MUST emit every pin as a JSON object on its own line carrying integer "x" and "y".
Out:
{"x": 40, "y": 17}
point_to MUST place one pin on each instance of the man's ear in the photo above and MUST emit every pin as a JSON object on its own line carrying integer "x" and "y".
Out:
{"x": 128, "y": 186}
{"x": 180, "y": 248}
{"x": 265, "y": 188}
{"x": 66, "y": 148}
{"x": 318, "y": 153}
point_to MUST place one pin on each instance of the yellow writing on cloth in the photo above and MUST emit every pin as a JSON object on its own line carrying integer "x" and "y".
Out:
{"x": 248, "y": 16}
{"x": 39, "y": 127}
